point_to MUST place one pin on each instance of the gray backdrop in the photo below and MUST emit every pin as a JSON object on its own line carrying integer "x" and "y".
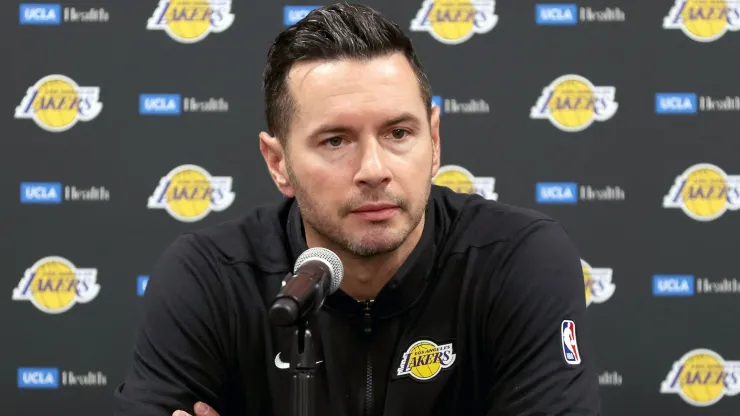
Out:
{"x": 590, "y": 113}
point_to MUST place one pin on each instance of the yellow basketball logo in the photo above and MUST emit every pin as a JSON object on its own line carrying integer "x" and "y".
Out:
{"x": 598, "y": 283}
{"x": 461, "y": 180}
{"x": 54, "y": 285}
{"x": 190, "y": 21}
{"x": 189, "y": 193}
{"x": 423, "y": 360}
{"x": 701, "y": 378}
{"x": 572, "y": 103}
{"x": 455, "y": 21}
{"x": 704, "y": 20}
{"x": 56, "y": 103}
{"x": 704, "y": 192}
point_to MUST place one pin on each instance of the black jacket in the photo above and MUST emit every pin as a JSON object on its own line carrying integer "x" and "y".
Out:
{"x": 476, "y": 322}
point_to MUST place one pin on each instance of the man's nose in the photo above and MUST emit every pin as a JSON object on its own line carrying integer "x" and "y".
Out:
{"x": 374, "y": 169}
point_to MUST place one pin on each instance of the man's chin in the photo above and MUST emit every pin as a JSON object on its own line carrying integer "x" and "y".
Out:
{"x": 371, "y": 250}
{"x": 375, "y": 243}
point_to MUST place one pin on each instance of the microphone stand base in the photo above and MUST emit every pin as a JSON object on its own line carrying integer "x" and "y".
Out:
{"x": 303, "y": 372}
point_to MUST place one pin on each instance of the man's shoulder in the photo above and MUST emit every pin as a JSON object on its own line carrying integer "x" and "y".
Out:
{"x": 472, "y": 221}
{"x": 257, "y": 238}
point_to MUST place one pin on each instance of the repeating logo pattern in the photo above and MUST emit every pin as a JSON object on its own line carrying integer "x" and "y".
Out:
{"x": 577, "y": 68}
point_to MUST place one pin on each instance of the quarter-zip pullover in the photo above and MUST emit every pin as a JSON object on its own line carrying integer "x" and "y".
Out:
{"x": 487, "y": 316}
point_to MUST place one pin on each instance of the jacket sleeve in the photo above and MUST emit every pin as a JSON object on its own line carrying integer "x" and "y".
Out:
{"x": 178, "y": 357}
{"x": 541, "y": 364}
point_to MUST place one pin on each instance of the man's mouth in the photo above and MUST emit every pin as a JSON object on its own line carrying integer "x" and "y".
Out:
{"x": 375, "y": 211}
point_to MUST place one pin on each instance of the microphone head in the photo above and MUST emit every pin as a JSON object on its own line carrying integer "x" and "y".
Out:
{"x": 336, "y": 270}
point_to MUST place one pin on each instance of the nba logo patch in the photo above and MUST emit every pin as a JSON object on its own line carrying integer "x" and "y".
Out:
{"x": 570, "y": 345}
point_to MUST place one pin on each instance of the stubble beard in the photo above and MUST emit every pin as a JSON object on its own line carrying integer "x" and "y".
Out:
{"x": 376, "y": 240}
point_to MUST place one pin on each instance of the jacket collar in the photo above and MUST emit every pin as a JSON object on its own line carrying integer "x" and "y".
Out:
{"x": 401, "y": 292}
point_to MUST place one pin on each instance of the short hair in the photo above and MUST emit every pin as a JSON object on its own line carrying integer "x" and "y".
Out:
{"x": 338, "y": 31}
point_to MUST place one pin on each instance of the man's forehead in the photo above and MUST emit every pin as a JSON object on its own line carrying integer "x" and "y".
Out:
{"x": 327, "y": 88}
{"x": 330, "y": 77}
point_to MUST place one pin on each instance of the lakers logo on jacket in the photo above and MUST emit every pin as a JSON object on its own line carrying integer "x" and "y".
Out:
{"x": 423, "y": 360}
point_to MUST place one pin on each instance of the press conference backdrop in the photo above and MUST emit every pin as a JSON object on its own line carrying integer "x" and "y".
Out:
{"x": 134, "y": 121}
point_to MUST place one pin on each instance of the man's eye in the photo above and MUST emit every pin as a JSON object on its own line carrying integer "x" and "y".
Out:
{"x": 399, "y": 134}
{"x": 334, "y": 141}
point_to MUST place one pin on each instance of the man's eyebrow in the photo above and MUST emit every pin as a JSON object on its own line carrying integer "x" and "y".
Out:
{"x": 403, "y": 118}
{"x": 330, "y": 128}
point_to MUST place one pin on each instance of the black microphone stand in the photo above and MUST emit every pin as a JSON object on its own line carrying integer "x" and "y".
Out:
{"x": 285, "y": 312}
{"x": 303, "y": 371}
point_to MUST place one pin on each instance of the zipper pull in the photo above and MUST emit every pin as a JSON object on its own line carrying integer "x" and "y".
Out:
{"x": 367, "y": 318}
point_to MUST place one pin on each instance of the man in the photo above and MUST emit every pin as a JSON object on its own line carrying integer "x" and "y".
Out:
{"x": 450, "y": 304}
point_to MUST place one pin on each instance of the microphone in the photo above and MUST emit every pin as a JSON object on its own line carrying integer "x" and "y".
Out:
{"x": 316, "y": 275}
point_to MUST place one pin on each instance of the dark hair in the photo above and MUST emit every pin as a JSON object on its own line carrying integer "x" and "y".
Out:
{"x": 338, "y": 31}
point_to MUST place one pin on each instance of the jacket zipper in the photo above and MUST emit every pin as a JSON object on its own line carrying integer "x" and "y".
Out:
{"x": 369, "y": 360}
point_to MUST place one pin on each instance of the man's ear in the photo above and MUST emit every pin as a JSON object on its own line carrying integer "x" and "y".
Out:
{"x": 275, "y": 158}
{"x": 436, "y": 149}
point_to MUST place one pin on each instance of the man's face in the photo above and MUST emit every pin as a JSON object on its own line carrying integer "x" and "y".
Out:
{"x": 361, "y": 152}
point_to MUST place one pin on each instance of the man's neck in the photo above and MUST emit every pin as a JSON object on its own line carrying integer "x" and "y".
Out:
{"x": 364, "y": 277}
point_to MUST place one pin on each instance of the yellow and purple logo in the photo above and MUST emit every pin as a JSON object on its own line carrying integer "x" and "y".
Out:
{"x": 704, "y": 20}
{"x": 704, "y": 192}
{"x": 190, "y": 21}
{"x": 54, "y": 285}
{"x": 455, "y": 21}
{"x": 189, "y": 193}
{"x": 702, "y": 378}
{"x": 56, "y": 103}
{"x": 572, "y": 103}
